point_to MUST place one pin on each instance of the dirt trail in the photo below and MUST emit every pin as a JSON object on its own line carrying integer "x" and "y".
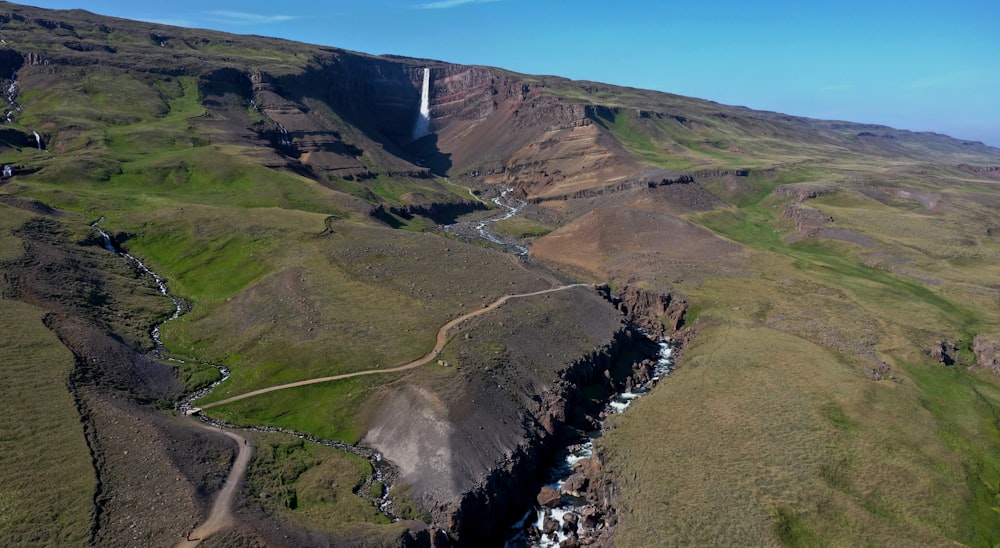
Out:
{"x": 221, "y": 514}
{"x": 442, "y": 339}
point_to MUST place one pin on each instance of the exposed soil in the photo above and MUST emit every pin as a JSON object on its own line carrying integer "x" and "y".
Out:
{"x": 618, "y": 244}
{"x": 155, "y": 474}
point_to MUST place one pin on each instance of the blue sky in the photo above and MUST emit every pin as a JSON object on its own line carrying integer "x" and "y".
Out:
{"x": 918, "y": 64}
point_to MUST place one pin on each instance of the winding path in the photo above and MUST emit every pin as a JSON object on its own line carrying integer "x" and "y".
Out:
{"x": 442, "y": 339}
{"x": 221, "y": 515}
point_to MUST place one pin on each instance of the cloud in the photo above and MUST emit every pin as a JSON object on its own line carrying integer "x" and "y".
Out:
{"x": 445, "y": 4}
{"x": 171, "y": 22}
{"x": 245, "y": 18}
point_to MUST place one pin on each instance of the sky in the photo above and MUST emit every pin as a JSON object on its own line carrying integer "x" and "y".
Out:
{"x": 920, "y": 65}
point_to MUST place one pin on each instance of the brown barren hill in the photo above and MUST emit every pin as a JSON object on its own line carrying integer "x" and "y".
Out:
{"x": 618, "y": 243}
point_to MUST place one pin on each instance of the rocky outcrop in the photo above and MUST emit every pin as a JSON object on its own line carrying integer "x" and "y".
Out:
{"x": 441, "y": 213}
{"x": 595, "y": 523}
{"x": 987, "y": 353}
{"x": 659, "y": 315}
{"x": 944, "y": 352}
{"x": 476, "y": 454}
{"x": 803, "y": 191}
{"x": 649, "y": 179}
{"x": 808, "y": 221}
{"x": 986, "y": 170}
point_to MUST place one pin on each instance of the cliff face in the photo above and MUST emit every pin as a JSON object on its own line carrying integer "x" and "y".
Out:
{"x": 473, "y": 448}
{"x": 343, "y": 112}
{"x": 503, "y": 129}
{"x": 659, "y": 315}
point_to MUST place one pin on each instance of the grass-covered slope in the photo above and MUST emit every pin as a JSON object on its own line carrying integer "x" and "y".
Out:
{"x": 274, "y": 186}
{"x": 808, "y": 408}
{"x": 46, "y": 463}
{"x": 288, "y": 271}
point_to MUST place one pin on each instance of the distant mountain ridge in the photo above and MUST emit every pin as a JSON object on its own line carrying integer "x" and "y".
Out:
{"x": 501, "y": 126}
{"x": 279, "y": 189}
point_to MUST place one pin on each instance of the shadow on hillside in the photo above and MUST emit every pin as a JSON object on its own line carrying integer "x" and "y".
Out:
{"x": 425, "y": 153}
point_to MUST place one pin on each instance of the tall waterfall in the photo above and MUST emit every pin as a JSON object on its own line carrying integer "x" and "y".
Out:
{"x": 423, "y": 125}
{"x": 38, "y": 139}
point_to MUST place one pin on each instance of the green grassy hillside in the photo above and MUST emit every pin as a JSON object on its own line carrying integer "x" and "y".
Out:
{"x": 822, "y": 261}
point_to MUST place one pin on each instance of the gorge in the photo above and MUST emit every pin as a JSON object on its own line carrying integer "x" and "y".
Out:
{"x": 408, "y": 284}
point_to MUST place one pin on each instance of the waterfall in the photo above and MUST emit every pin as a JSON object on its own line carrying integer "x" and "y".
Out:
{"x": 38, "y": 139}
{"x": 286, "y": 141}
{"x": 423, "y": 125}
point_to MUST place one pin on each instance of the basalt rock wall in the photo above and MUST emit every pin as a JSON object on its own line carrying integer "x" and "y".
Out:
{"x": 657, "y": 314}
{"x": 474, "y": 449}
{"x": 501, "y": 496}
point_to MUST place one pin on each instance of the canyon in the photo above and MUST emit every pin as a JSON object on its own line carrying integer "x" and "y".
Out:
{"x": 830, "y": 290}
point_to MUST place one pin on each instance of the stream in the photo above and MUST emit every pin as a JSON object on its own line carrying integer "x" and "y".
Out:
{"x": 541, "y": 526}
{"x": 384, "y": 472}
{"x": 509, "y": 207}
{"x": 160, "y": 283}
{"x": 547, "y": 527}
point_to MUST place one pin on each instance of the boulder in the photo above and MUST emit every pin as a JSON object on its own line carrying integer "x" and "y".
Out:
{"x": 590, "y": 468}
{"x": 549, "y": 525}
{"x": 571, "y": 542}
{"x": 548, "y": 497}
{"x": 571, "y": 522}
{"x": 591, "y": 517}
{"x": 575, "y": 485}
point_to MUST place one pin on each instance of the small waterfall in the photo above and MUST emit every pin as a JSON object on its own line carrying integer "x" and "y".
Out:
{"x": 286, "y": 141}
{"x": 423, "y": 125}
{"x": 12, "y": 89}
{"x": 38, "y": 139}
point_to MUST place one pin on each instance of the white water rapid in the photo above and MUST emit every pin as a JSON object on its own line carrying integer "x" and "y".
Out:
{"x": 529, "y": 531}
{"x": 423, "y": 125}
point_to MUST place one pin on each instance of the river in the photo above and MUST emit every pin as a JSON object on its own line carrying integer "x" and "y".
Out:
{"x": 571, "y": 513}
{"x": 561, "y": 522}
{"x": 509, "y": 206}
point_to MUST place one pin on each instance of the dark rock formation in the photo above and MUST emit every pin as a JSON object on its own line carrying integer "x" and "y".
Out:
{"x": 440, "y": 213}
{"x": 549, "y": 525}
{"x": 803, "y": 191}
{"x": 477, "y": 470}
{"x": 654, "y": 313}
{"x": 944, "y": 352}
